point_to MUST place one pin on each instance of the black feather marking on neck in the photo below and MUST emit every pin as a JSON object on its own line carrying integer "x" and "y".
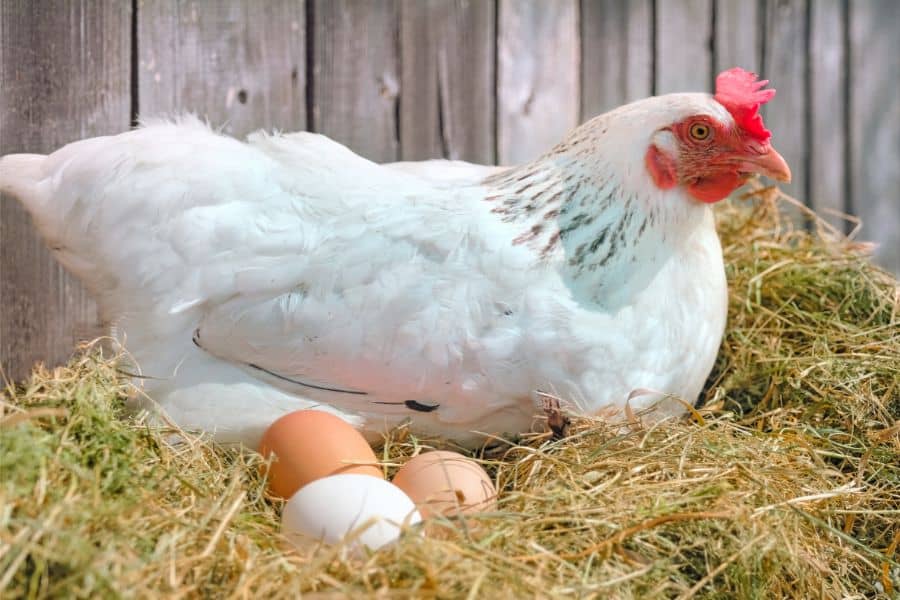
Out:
{"x": 545, "y": 205}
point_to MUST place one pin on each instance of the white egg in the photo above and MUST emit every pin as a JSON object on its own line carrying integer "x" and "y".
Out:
{"x": 370, "y": 510}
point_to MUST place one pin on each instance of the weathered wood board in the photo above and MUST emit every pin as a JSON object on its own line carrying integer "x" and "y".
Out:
{"x": 447, "y": 57}
{"x": 617, "y": 54}
{"x": 683, "y": 40}
{"x": 827, "y": 106}
{"x": 784, "y": 63}
{"x": 875, "y": 124}
{"x": 355, "y": 78}
{"x": 240, "y": 64}
{"x": 64, "y": 75}
{"x": 738, "y": 36}
{"x": 538, "y": 76}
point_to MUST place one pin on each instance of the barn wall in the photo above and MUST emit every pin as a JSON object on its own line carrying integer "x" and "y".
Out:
{"x": 480, "y": 80}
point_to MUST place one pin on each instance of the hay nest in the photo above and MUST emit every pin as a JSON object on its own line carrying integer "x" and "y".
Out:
{"x": 787, "y": 484}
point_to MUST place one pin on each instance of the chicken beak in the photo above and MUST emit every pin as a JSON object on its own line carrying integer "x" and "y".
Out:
{"x": 771, "y": 164}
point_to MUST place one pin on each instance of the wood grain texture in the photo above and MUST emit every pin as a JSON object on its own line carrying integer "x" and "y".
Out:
{"x": 683, "y": 46}
{"x": 355, "y": 79}
{"x": 64, "y": 75}
{"x": 827, "y": 179}
{"x": 875, "y": 124}
{"x": 238, "y": 63}
{"x": 616, "y": 54}
{"x": 447, "y": 57}
{"x": 784, "y": 64}
{"x": 538, "y": 76}
{"x": 738, "y": 35}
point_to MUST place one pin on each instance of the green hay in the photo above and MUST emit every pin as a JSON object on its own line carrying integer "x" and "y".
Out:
{"x": 787, "y": 484}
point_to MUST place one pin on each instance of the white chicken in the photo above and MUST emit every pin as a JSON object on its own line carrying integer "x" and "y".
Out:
{"x": 252, "y": 279}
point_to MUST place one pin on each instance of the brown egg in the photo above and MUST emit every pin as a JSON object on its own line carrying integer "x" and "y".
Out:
{"x": 311, "y": 444}
{"x": 446, "y": 483}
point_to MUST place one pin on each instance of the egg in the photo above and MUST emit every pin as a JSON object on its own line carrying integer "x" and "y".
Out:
{"x": 446, "y": 483}
{"x": 311, "y": 444}
{"x": 371, "y": 511}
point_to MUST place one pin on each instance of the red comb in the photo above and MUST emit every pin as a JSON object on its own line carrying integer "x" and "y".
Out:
{"x": 740, "y": 92}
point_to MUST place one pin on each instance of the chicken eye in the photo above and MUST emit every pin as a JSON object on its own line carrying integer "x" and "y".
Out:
{"x": 700, "y": 131}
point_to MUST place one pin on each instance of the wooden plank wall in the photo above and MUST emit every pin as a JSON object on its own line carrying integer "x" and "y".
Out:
{"x": 481, "y": 80}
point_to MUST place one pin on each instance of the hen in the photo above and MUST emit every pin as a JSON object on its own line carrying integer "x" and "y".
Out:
{"x": 252, "y": 279}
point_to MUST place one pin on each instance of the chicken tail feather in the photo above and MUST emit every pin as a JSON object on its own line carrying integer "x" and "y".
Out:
{"x": 20, "y": 175}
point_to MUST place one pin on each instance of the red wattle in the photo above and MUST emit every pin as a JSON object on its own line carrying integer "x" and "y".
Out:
{"x": 713, "y": 189}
